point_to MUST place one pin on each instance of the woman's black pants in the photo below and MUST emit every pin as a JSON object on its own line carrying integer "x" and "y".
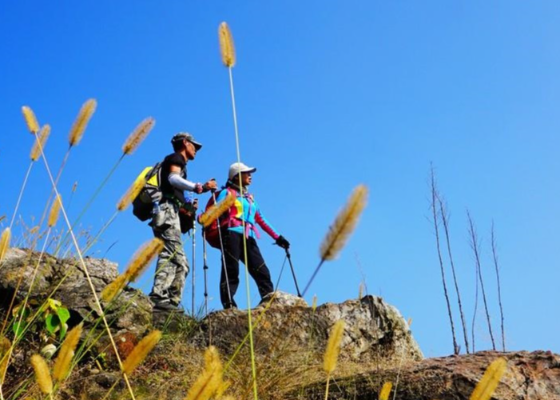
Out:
{"x": 233, "y": 248}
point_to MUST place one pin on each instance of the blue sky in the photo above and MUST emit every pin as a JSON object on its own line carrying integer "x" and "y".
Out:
{"x": 329, "y": 95}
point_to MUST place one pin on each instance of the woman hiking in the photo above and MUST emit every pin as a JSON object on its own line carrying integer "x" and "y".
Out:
{"x": 243, "y": 218}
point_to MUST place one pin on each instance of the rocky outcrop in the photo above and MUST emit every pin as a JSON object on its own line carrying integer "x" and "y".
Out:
{"x": 375, "y": 332}
{"x": 529, "y": 376}
{"x": 289, "y": 340}
{"x": 26, "y": 272}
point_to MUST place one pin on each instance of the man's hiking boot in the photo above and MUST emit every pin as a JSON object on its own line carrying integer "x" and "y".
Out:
{"x": 165, "y": 305}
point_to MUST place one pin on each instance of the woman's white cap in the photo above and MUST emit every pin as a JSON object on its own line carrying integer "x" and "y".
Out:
{"x": 237, "y": 167}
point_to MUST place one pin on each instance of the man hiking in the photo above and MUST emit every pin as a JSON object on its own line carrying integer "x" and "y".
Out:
{"x": 172, "y": 266}
{"x": 244, "y": 216}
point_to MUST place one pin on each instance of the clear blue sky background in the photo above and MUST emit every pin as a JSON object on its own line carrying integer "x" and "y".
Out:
{"x": 329, "y": 95}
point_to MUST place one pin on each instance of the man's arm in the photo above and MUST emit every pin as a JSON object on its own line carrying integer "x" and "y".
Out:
{"x": 177, "y": 181}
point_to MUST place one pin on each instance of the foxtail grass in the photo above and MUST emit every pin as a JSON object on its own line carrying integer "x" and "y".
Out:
{"x": 211, "y": 378}
{"x": 141, "y": 351}
{"x": 42, "y": 374}
{"x": 385, "y": 391}
{"x": 332, "y": 351}
{"x": 55, "y": 211}
{"x": 88, "y": 276}
{"x": 490, "y": 380}
{"x": 138, "y": 135}
{"x": 81, "y": 122}
{"x": 141, "y": 259}
{"x": 42, "y": 138}
{"x": 30, "y": 119}
{"x": 75, "y": 136}
{"x": 227, "y": 48}
{"x": 5, "y": 353}
{"x": 341, "y": 229}
{"x": 133, "y": 191}
{"x": 228, "y": 58}
{"x": 66, "y": 354}
{"x": 216, "y": 210}
{"x": 5, "y": 242}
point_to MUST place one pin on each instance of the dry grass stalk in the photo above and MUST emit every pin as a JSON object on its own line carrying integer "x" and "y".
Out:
{"x": 5, "y": 242}
{"x": 216, "y": 210}
{"x": 5, "y": 353}
{"x": 30, "y": 119}
{"x": 333, "y": 347}
{"x": 141, "y": 351}
{"x": 42, "y": 139}
{"x": 55, "y": 211}
{"x": 138, "y": 135}
{"x": 131, "y": 193}
{"x": 314, "y": 304}
{"x": 385, "y": 391}
{"x": 80, "y": 124}
{"x": 42, "y": 374}
{"x": 344, "y": 224}
{"x": 66, "y": 354}
{"x": 114, "y": 288}
{"x": 227, "y": 47}
{"x": 490, "y": 380}
{"x": 211, "y": 378}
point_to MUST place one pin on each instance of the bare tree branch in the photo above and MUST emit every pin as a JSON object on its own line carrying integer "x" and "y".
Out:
{"x": 495, "y": 257}
{"x": 474, "y": 246}
{"x": 436, "y": 228}
{"x": 445, "y": 220}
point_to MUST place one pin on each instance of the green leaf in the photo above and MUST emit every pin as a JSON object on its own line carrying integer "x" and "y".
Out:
{"x": 63, "y": 315}
{"x": 52, "y": 323}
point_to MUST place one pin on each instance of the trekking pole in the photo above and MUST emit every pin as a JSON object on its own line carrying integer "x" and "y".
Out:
{"x": 193, "y": 263}
{"x": 293, "y": 272}
{"x": 205, "y": 268}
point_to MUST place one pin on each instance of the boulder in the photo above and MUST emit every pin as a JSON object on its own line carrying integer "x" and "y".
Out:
{"x": 529, "y": 376}
{"x": 375, "y": 331}
{"x": 28, "y": 272}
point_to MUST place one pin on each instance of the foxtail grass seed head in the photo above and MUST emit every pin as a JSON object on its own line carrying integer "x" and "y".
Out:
{"x": 138, "y": 135}
{"x": 5, "y": 353}
{"x": 344, "y": 224}
{"x": 227, "y": 47}
{"x": 314, "y": 304}
{"x": 207, "y": 383}
{"x": 30, "y": 119}
{"x": 385, "y": 391}
{"x": 66, "y": 354}
{"x": 42, "y": 374}
{"x": 143, "y": 256}
{"x": 490, "y": 380}
{"x": 40, "y": 139}
{"x": 212, "y": 358}
{"x": 131, "y": 193}
{"x": 114, "y": 288}
{"x": 333, "y": 347}
{"x": 141, "y": 351}
{"x": 55, "y": 211}
{"x": 5, "y": 242}
{"x": 216, "y": 210}
{"x": 81, "y": 122}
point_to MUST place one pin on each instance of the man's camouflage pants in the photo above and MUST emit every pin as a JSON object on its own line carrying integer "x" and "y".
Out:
{"x": 172, "y": 267}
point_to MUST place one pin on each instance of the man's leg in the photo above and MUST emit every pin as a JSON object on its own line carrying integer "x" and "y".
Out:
{"x": 258, "y": 269}
{"x": 172, "y": 265}
{"x": 233, "y": 243}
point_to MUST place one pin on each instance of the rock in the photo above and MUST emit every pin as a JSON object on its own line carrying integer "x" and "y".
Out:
{"x": 375, "y": 331}
{"x": 529, "y": 376}
{"x": 131, "y": 311}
